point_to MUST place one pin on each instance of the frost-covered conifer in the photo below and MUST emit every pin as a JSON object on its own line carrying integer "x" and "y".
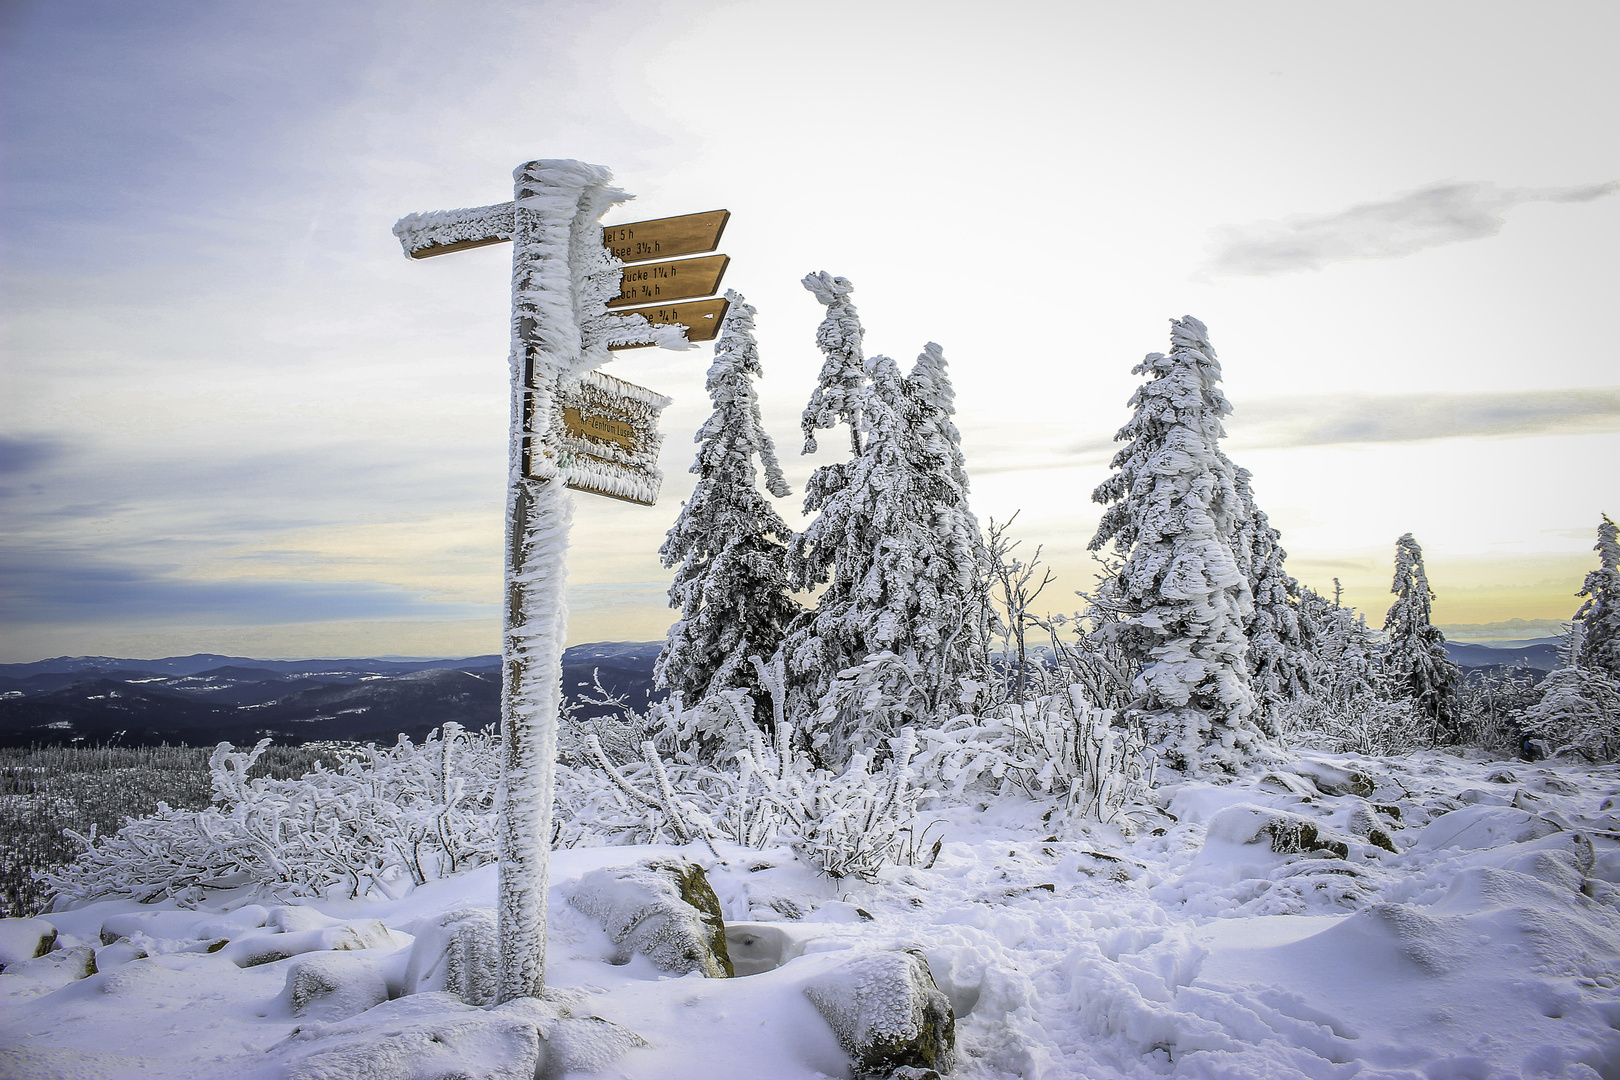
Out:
{"x": 1281, "y": 667}
{"x": 1600, "y": 615}
{"x": 729, "y": 543}
{"x": 842, "y": 385}
{"x": 1173, "y": 515}
{"x": 1416, "y": 666}
{"x": 1346, "y": 649}
{"x": 899, "y": 552}
{"x": 1579, "y": 708}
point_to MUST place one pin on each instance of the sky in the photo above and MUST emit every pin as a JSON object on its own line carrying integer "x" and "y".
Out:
{"x": 234, "y": 418}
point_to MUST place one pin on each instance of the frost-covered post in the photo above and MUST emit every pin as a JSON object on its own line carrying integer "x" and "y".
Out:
{"x": 562, "y": 277}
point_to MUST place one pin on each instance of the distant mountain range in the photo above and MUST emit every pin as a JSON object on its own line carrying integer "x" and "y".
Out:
{"x": 206, "y": 698}
{"x": 203, "y": 699}
{"x": 1536, "y": 655}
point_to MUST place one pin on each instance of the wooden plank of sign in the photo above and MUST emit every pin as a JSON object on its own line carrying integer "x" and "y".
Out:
{"x": 603, "y": 429}
{"x": 683, "y": 279}
{"x": 665, "y": 238}
{"x": 702, "y": 318}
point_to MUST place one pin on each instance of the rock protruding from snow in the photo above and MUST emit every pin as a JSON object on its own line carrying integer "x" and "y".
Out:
{"x": 664, "y": 909}
{"x": 334, "y": 986}
{"x": 24, "y": 939}
{"x": 887, "y": 1012}
{"x": 458, "y": 953}
{"x": 268, "y": 948}
{"x": 1283, "y": 832}
{"x": 432, "y": 1036}
{"x": 428, "y": 1037}
{"x": 759, "y": 947}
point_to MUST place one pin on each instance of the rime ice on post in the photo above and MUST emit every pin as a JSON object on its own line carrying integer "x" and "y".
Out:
{"x": 562, "y": 278}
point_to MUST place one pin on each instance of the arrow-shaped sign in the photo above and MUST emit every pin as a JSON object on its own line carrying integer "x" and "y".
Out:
{"x": 702, "y": 318}
{"x": 680, "y": 279}
{"x": 665, "y": 238}
{"x": 426, "y": 235}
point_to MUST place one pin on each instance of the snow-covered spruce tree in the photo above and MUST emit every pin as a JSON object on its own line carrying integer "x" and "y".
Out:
{"x": 1181, "y": 597}
{"x": 1600, "y": 615}
{"x": 1579, "y": 710}
{"x": 728, "y": 545}
{"x": 1281, "y": 667}
{"x": 903, "y": 617}
{"x": 960, "y": 555}
{"x": 1416, "y": 667}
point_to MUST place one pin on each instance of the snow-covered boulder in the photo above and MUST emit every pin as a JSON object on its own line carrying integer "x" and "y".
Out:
{"x": 427, "y": 1037}
{"x": 268, "y": 948}
{"x": 664, "y": 909}
{"x": 887, "y": 1012}
{"x": 24, "y": 939}
{"x": 457, "y": 952}
{"x": 1365, "y": 823}
{"x": 52, "y": 971}
{"x": 334, "y": 986}
{"x": 432, "y": 1036}
{"x": 1283, "y": 832}
{"x": 759, "y": 947}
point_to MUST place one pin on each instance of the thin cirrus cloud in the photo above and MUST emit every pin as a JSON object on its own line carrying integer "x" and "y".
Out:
{"x": 1348, "y": 418}
{"x": 1332, "y": 419}
{"x": 1446, "y": 213}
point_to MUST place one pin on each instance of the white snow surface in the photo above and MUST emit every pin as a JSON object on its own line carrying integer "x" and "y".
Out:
{"x": 1487, "y": 946}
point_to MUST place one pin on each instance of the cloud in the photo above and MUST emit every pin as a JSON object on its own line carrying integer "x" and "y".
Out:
{"x": 1446, "y": 213}
{"x": 1506, "y": 630}
{"x": 41, "y": 586}
{"x": 1333, "y": 419}
{"x": 20, "y": 455}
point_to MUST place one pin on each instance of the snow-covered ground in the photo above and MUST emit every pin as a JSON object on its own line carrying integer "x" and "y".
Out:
{"x": 1486, "y": 945}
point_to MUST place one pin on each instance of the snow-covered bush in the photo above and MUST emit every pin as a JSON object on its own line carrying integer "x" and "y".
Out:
{"x": 1358, "y": 723}
{"x": 394, "y": 817}
{"x": 1051, "y": 745}
{"x": 852, "y": 821}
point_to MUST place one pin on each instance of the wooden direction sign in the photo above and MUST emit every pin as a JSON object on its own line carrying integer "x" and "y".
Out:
{"x": 604, "y": 438}
{"x": 665, "y": 238}
{"x": 426, "y": 235}
{"x": 702, "y": 318}
{"x": 652, "y": 283}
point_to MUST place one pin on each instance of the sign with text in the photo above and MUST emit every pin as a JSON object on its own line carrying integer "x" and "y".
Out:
{"x": 604, "y": 438}
{"x": 702, "y": 318}
{"x": 666, "y": 238}
{"x": 683, "y": 279}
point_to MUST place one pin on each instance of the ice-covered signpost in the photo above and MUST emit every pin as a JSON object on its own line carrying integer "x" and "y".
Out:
{"x": 571, "y": 427}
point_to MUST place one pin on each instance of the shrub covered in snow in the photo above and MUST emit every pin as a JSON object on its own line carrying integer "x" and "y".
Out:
{"x": 395, "y": 816}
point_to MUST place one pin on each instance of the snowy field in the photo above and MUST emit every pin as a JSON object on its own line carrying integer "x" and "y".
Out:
{"x": 1485, "y": 945}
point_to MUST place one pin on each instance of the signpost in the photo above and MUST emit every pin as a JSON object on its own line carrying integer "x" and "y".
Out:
{"x": 569, "y": 423}
{"x": 606, "y": 438}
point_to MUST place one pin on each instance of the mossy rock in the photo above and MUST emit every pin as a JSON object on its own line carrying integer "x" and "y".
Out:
{"x": 1290, "y": 835}
{"x": 664, "y": 909}
{"x": 888, "y": 1013}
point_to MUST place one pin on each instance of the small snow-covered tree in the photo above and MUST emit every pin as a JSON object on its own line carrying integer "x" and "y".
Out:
{"x": 1579, "y": 709}
{"x": 1415, "y": 664}
{"x": 1346, "y": 710}
{"x": 1181, "y": 597}
{"x": 1599, "y": 616}
{"x": 728, "y": 545}
{"x": 1280, "y": 661}
{"x": 1346, "y": 649}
